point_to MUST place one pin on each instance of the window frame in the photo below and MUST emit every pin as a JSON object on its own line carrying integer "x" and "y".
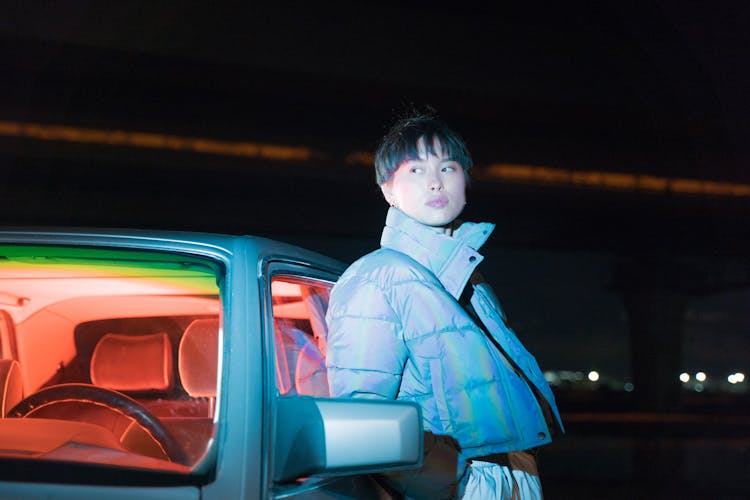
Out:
{"x": 269, "y": 269}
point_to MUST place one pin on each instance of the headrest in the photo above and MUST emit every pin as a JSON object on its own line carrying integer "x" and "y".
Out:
{"x": 11, "y": 385}
{"x": 132, "y": 362}
{"x": 198, "y": 358}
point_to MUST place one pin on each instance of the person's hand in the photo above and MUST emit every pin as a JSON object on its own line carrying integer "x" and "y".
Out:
{"x": 439, "y": 476}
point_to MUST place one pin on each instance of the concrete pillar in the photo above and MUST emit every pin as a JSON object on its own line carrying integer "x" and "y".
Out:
{"x": 656, "y": 319}
{"x": 656, "y": 294}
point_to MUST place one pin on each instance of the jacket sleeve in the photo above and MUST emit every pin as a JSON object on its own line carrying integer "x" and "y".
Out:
{"x": 366, "y": 353}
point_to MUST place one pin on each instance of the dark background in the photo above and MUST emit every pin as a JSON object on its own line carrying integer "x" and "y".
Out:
{"x": 637, "y": 284}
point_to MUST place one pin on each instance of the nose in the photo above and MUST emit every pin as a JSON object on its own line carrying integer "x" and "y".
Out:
{"x": 436, "y": 183}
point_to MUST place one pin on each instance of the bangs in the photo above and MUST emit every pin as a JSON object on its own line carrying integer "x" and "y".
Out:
{"x": 401, "y": 145}
{"x": 450, "y": 148}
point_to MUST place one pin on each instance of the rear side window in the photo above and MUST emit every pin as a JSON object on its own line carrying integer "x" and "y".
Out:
{"x": 109, "y": 356}
{"x": 299, "y": 308}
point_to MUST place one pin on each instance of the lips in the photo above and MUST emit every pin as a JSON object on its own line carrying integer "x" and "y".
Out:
{"x": 437, "y": 202}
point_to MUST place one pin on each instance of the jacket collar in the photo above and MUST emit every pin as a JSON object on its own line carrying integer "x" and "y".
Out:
{"x": 451, "y": 259}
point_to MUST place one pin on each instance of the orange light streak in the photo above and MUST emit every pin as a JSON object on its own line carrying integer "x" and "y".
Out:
{"x": 155, "y": 141}
{"x": 522, "y": 174}
{"x": 609, "y": 180}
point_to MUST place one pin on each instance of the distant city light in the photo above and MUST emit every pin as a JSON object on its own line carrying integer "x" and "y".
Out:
{"x": 571, "y": 376}
{"x": 593, "y": 379}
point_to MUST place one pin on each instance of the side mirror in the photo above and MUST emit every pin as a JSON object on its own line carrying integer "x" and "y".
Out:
{"x": 345, "y": 436}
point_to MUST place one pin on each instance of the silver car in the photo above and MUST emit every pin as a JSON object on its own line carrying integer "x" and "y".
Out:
{"x": 177, "y": 365}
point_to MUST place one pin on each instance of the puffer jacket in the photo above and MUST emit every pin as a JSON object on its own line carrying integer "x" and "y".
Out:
{"x": 397, "y": 331}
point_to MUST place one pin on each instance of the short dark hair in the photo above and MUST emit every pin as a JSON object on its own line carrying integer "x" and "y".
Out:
{"x": 400, "y": 144}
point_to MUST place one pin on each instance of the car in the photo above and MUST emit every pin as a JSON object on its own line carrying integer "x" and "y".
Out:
{"x": 179, "y": 365}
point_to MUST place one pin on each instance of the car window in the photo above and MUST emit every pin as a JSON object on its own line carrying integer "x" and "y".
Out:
{"x": 110, "y": 356}
{"x": 299, "y": 307}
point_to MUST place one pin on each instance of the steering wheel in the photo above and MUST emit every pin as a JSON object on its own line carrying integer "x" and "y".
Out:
{"x": 107, "y": 408}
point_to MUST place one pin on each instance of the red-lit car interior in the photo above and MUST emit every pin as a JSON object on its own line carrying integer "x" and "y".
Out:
{"x": 113, "y": 357}
{"x": 299, "y": 307}
{"x": 108, "y": 356}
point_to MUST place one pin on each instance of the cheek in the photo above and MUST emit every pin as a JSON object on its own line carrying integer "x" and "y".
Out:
{"x": 404, "y": 190}
{"x": 459, "y": 189}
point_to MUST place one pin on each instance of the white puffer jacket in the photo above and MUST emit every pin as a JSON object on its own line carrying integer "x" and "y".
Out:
{"x": 397, "y": 331}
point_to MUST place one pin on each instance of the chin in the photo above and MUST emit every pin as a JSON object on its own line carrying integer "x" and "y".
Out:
{"x": 437, "y": 222}
{"x": 443, "y": 221}
{"x": 432, "y": 219}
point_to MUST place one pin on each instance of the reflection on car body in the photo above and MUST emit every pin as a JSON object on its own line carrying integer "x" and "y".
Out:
{"x": 182, "y": 363}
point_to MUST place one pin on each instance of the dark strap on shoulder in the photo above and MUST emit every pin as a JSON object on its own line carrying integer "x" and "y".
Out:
{"x": 465, "y": 302}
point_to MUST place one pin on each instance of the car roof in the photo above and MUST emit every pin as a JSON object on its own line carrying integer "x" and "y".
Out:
{"x": 209, "y": 244}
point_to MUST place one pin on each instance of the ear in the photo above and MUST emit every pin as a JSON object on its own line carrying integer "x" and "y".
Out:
{"x": 387, "y": 191}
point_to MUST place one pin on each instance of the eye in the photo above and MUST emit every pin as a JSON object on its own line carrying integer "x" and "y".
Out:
{"x": 449, "y": 169}
{"x": 416, "y": 170}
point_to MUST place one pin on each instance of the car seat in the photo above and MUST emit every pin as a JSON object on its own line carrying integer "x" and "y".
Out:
{"x": 198, "y": 358}
{"x": 133, "y": 363}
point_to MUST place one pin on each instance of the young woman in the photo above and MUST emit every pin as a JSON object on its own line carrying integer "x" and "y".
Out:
{"x": 414, "y": 321}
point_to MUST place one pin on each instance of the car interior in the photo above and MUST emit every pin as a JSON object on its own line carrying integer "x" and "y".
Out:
{"x": 112, "y": 356}
{"x": 108, "y": 356}
{"x": 299, "y": 306}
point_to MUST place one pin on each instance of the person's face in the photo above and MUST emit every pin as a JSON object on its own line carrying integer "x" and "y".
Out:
{"x": 431, "y": 189}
